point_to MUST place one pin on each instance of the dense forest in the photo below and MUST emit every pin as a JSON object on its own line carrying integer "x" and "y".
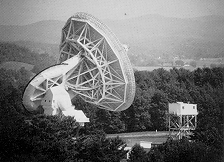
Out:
{"x": 36, "y": 137}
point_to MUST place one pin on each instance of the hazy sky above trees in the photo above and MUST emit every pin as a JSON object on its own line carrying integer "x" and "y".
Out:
{"x": 21, "y": 12}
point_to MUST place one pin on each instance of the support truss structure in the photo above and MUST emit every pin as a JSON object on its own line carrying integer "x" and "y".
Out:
{"x": 181, "y": 125}
{"x": 104, "y": 76}
{"x": 93, "y": 64}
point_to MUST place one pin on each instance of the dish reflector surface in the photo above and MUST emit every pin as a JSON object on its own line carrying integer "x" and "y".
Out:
{"x": 103, "y": 74}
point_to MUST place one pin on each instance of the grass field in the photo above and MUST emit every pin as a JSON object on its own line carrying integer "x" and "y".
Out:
{"x": 136, "y": 137}
{"x": 168, "y": 68}
{"x": 204, "y": 62}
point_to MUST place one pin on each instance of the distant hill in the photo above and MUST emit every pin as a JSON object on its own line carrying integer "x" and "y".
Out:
{"x": 13, "y": 65}
{"x": 43, "y": 31}
{"x": 157, "y": 36}
{"x": 149, "y": 36}
{"x": 40, "y": 48}
{"x": 11, "y": 53}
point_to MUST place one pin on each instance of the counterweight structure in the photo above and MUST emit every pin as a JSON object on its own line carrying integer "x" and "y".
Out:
{"x": 93, "y": 64}
{"x": 182, "y": 119}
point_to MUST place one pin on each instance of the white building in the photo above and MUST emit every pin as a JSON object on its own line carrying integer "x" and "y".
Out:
{"x": 182, "y": 118}
{"x": 57, "y": 99}
{"x": 181, "y": 108}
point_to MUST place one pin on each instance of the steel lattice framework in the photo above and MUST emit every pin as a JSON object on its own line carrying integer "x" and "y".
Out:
{"x": 93, "y": 64}
{"x": 104, "y": 76}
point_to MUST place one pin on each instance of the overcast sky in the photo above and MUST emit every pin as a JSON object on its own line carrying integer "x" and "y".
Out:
{"x": 21, "y": 12}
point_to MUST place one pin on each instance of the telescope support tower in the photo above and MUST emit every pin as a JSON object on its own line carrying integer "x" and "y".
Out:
{"x": 182, "y": 119}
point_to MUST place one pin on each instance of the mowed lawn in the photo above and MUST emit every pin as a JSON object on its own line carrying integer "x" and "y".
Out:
{"x": 136, "y": 137}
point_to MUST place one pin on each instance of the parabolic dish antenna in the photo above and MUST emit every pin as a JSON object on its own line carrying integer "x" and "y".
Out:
{"x": 93, "y": 64}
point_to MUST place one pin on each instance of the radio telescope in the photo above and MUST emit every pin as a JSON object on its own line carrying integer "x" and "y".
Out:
{"x": 93, "y": 64}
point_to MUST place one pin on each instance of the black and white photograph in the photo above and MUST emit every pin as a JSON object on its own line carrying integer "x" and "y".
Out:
{"x": 111, "y": 80}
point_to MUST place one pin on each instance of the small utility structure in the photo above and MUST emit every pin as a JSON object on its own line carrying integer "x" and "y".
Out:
{"x": 182, "y": 119}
